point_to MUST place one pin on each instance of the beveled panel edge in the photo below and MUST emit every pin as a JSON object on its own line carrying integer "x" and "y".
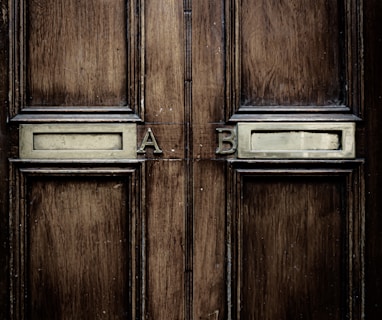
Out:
{"x": 354, "y": 261}
{"x": 136, "y": 56}
{"x": 346, "y": 146}
{"x": 288, "y": 164}
{"x": 21, "y": 171}
{"x": 293, "y": 117}
{"x": 76, "y": 109}
{"x": 77, "y": 162}
{"x": 75, "y": 117}
{"x": 288, "y": 109}
{"x": 127, "y": 132}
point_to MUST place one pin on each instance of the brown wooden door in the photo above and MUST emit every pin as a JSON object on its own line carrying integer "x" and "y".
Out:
{"x": 190, "y": 159}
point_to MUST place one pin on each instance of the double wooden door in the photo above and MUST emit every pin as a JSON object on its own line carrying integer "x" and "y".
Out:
{"x": 189, "y": 160}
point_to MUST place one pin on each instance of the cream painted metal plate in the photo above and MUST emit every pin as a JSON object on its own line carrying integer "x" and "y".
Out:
{"x": 78, "y": 141}
{"x": 296, "y": 140}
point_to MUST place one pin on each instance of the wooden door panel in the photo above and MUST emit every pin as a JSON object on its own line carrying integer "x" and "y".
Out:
{"x": 285, "y": 63}
{"x": 275, "y": 63}
{"x": 78, "y": 255}
{"x": 308, "y": 225}
{"x": 77, "y": 53}
{"x": 77, "y": 239}
{"x": 70, "y": 57}
{"x": 291, "y": 248}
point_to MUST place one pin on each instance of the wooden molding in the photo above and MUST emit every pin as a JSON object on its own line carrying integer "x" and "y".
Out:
{"x": 344, "y": 176}
{"x": 350, "y": 64}
{"x": 21, "y": 111}
{"x": 26, "y": 175}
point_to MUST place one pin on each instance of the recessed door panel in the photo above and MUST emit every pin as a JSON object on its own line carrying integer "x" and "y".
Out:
{"x": 77, "y": 241}
{"x": 292, "y": 236}
{"x": 295, "y": 237}
{"x": 78, "y": 248}
{"x": 285, "y": 63}
{"x": 76, "y": 53}
{"x": 294, "y": 56}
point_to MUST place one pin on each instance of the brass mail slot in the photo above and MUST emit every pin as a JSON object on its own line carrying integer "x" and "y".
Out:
{"x": 78, "y": 141}
{"x": 296, "y": 140}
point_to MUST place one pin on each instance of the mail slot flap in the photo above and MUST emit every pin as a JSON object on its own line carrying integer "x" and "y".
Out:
{"x": 296, "y": 140}
{"x": 78, "y": 141}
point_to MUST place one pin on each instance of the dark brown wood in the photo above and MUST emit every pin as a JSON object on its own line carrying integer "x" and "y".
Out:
{"x": 193, "y": 216}
{"x": 77, "y": 53}
{"x": 291, "y": 248}
{"x": 78, "y": 235}
{"x": 282, "y": 61}
{"x": 209, "y": 240}
{"x": 77, "y": 240}
{"x": 208, "y": 190}
{"x": 307, "y": 224}
{"x": 169, "y": 137}
{"x": 61, "y": 44}
{"x": 4, "y": 149}
{"x": 164, "y": 42}
{"x": 373, "y": 145}
{"x": 275, "y": 64}
{"x": 166, "y": 175}
{"x": 165, "y": 190}
{"x": 205, "y": 140}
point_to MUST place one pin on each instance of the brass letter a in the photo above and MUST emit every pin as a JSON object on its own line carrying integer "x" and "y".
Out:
{"x": 149, "y": 141}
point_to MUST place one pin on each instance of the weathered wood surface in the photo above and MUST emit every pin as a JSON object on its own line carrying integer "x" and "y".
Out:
{"x": 283, "y": 61}
{"x": 208, "y": 176}
{"x": 77, "y": 53}
{"x": 4, "y": 153}
{"x": 291, "y": 239}
{"x": 166, "y": 174}
{"x": 187, "y": 187}
{"x": 78, "y": 251}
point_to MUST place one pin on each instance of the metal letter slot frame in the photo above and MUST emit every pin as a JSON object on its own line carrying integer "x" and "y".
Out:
{"x": 296, "y": 140}
{"x": 78, "y": 141}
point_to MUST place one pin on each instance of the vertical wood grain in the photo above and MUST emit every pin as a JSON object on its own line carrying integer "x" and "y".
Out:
{"x": 292, "y": 249}
{"x": 166, "y": 179}
{"x": 290, "y": 52}
{"x": 208, "y": 174}
{"x": 209, "y": 240}
{"x": 164, "y": 58}
{"x": 4, "y": 148}
{"x": 76, "y": 53}
{"x": 207, "y": 62}
{"x": 165, "y": 207}
{"x": 78, "y": 249}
